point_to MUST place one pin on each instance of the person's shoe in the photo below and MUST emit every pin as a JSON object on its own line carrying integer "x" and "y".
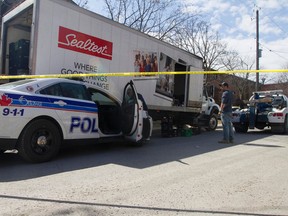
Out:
{"x": 231, "y": 141}
{"x": 223, "y": 141}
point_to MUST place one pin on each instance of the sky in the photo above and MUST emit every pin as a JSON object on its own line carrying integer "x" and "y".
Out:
{"x": 235, "y": 21}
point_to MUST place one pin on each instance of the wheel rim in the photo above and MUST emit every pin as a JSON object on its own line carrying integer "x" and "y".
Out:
{"x": 41, "y": 141}
{"x": 213, "y": 123}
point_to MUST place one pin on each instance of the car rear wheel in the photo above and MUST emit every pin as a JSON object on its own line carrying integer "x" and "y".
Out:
{"x": 286, "y": 124}
{"x": 40, "y": 141}
{"x": 241, "y": 128}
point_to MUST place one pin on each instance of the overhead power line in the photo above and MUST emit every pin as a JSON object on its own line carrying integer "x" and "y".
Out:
{"x": 275, "y": 52}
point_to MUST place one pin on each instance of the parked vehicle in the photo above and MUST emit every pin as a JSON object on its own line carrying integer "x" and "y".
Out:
{"x": 58, "y": 37}
{"x": 37, "y": 115}
{"x": 266, "y": 109}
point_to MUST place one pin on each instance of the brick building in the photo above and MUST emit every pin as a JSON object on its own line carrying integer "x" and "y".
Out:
{"x": 276, "y": 86}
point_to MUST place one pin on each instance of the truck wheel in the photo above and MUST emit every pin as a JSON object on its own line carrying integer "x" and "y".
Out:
{"x": 241, "y": 128}
{"x": 213, "y": 122}
{"x": 40, "y": 141}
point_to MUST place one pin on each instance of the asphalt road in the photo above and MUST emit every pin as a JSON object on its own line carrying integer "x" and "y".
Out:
{"x": 168, "y": 176}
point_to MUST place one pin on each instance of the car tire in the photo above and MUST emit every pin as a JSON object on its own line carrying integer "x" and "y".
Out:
{"x": 241, "y": 128}
{"x": 286, "y": 124}
{"x": 213, "y": 122}
{"x": 40, "y": 141}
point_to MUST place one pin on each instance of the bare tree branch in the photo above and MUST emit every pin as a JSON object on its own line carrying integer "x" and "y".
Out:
{"x": 159, "y": 18}
{"x": 283, "y": 77}
{"x": 197, "y": 38}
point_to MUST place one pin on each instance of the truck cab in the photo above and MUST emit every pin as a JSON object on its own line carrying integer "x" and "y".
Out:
{"x": 209, "y": 114}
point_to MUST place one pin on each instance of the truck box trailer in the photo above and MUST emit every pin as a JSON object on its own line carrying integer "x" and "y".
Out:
{"x": 59, "y": 37}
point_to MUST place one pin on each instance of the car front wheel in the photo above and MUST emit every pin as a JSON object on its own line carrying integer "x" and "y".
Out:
{"x": 40, "y": 141}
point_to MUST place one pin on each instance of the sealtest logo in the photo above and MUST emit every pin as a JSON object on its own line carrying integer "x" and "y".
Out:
{"x": 80, "y": 42}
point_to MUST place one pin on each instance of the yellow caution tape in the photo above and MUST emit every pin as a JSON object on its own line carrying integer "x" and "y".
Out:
{"x": 138, "y": 74}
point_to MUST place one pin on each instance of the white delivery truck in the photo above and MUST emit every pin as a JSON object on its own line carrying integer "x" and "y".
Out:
{"x": 57, "y": 37}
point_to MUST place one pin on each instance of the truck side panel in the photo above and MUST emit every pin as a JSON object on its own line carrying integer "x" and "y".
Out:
{"x": 127, "y": 44}
{"x": 71, "y": 40}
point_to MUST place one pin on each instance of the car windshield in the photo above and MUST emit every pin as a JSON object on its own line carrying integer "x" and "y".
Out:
{"x": 15, "y": 84}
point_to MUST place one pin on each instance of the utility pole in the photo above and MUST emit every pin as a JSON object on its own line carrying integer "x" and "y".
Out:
{"x": 257, "y": 50}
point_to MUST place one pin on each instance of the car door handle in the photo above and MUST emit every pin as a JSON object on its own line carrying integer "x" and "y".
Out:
{"x": 60, "y": 103}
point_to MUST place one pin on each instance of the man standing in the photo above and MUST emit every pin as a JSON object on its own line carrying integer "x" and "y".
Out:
{"x": 226, "y": 114}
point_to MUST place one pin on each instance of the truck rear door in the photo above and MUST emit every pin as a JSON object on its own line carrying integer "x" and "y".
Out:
{"x": 195, "y": 91}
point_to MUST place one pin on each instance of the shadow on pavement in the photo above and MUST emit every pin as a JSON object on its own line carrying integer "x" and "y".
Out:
{"x": 158, "y": 151}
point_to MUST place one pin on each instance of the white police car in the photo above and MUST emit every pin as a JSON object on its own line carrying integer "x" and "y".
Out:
{"x": 37, "y": 115}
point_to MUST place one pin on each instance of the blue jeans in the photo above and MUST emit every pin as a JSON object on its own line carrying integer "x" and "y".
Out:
{"x": 228, "y": 133}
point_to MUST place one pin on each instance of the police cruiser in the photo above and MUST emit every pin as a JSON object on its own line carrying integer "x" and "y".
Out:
{"x": 37, "y": 115}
